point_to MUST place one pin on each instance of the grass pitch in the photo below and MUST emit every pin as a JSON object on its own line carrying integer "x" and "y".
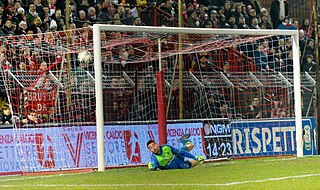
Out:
{"x": 267, "y": 173}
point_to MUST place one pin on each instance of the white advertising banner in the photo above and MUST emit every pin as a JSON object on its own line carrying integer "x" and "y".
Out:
{"x": 55, "y": 148}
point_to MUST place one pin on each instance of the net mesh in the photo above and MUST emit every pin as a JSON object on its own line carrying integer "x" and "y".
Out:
{"x": 225, "y": 78}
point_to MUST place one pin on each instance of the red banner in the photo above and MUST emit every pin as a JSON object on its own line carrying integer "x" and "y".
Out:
{"x": 40, "y": 100}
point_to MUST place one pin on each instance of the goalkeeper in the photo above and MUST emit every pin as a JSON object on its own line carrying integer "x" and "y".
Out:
{"x": 167, "y": 157}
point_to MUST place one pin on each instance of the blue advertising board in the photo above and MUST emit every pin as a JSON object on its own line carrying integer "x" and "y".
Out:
{"x": 271, "y": 137}
{"x": 54, "y": 148}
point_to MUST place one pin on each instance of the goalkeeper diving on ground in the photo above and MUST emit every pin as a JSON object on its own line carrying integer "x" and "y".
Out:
{"x": 166, "y": 157}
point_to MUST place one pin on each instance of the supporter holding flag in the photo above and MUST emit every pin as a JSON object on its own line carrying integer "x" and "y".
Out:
{"x": 286, "y": 25}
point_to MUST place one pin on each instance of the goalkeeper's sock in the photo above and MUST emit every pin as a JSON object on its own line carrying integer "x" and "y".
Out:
{"x": 185, "y": 139}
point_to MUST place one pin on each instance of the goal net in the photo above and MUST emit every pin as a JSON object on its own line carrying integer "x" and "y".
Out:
{"x": 218, "y": 79}
{"x": 234, "y": 91}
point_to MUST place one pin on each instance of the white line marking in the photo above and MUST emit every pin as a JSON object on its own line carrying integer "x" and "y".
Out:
{"x": 38, "y": 177}
{"x": 171, "y": 185}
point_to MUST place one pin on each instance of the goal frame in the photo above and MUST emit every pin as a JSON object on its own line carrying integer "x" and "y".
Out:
{"x": 97, "y": 28}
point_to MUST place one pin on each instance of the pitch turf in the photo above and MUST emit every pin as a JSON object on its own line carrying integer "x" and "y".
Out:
{"x": 267, "y": 173}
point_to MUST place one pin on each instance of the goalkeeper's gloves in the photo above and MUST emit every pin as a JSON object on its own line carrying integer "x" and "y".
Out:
{"x": 200, "y": 159}
{"x": 150, "y": 166}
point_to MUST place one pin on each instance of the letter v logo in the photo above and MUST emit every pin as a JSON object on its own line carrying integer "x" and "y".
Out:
{"x": 45, "y": 151}
{"x": 75, "y": 153}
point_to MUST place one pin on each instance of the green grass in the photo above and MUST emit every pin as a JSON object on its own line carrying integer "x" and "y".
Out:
{"x": 267, "y": 173}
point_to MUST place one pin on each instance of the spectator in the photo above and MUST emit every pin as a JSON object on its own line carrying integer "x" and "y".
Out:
{"x": 242, "y": 23}
{"x": 276, "y": 109}
{"x": 73, "y": 13}
{"x": 82, "y": 19}
{"x": 32, "y": 13}
{"x": 84, "y": 5}
{"x": 278, "y": 11}
{"x": 228, "y": 12}
{"x": 251, "y": 15}
{"x": 46, "y": 18}
{"x": 310, "y": 49}
{"x": 22, "y": 28}
{"x": 204, "y": 64}
{"x": 137, "y": 22}
{"x": 224, "y": 111}
{"x": 189, "y": 11}
{"x": 1, "y": 14}
{"x": 20, "y": 16}
{"x": 36, "y": 24}
{"x": 282, "y": 46}
{"x": 9, "y": 13}
{"x": 265, "y": 23}
{"x": 6, "y": 116}
{"x": 296, "y": 24}
{"x": 307, "y": 28}
{"x": 302, "y": 41}
{"x": 261, "y": 58}
{"x": 193, "y": 20}
{"x": 222, "y": 22}
{"x": 232, "y": 22}
{"x": 52, "y": 7}
{"x": 128, "y": 17}
{"x": 202, "y": 14}
{"x": 289, "y": 62}
{"x": 7, "y": 28}
{"x": 277, "y": 63}
{"x": 286, "y": 24}
{"x": 59, "y": 19}
{"x": 109, "y": 63}
{"x": 101, "y": 16}
{"x": 39, "y": 7}
{"x": 131, "y": 54}
{"x": 220, "y": 11}
{"x": 53, "y": 26}
{"x": 226, "y": 69}
{"x": 208, "y": 24}
{"x": 308, "y": 65}
{"x": 120, "y": 11}
{"x": 116, "y": 19}
{"x": 123, "y": 56}
{"x": 254, "y": 109}
{"x": 264, "y": 12}
{"x": 114, "y": 113}
{"x": 213, "y": 18}
{"x": 92, "y": 16}
{"x": 105, "y": 4}
{"x": 238, "y": 13}
{"x": 254, "y": 23}
{"x": 32, "y": 118}
{"x": 17, "y": 5}
{"x": 43, "y": 67}
{"x": 167, "y": 7}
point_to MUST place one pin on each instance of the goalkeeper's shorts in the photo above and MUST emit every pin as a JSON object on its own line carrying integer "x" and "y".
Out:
{"x": 187, "y": 164}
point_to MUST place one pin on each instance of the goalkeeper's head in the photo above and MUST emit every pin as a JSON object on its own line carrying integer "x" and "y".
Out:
{"x": 153, "y": 146}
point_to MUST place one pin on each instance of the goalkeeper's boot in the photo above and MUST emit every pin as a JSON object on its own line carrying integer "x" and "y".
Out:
{"x": 200, "y": 159}
{"x": 187, "y": 144}
{"x": 185, "y": 139}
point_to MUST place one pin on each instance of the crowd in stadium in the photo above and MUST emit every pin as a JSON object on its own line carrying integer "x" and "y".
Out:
{"x": 21, "y": 17}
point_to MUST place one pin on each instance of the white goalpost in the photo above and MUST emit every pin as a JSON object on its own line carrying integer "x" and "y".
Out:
{"x": 252, "y": 36}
